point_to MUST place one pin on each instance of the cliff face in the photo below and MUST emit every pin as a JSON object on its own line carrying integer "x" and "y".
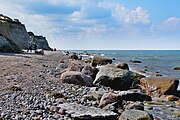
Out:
{"x": 7, "y": 45}
{"x": 40, "y": 41}
{"x": 15, "y": 32}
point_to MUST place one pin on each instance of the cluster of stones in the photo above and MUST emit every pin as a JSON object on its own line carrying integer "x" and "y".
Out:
{"x": 128, "y": 90}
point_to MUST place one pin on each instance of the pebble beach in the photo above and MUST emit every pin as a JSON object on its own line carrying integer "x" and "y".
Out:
{"x": 31, "y": 89}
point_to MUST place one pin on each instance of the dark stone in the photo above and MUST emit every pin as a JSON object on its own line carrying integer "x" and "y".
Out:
{"x": 135, "y": 61}
{"x": 74, "y": 56}
{"x": 177, "y": 68}
{"x": 134, "y": 96}
{"x": 123, "y": 66}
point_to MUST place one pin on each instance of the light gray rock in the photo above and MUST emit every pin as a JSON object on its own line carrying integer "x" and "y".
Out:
{"x": 77, "y": 111}
{"x": 135, "y": 115}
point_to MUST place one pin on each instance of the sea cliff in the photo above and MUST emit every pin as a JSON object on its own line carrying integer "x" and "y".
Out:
{"x": 14, "y": 36}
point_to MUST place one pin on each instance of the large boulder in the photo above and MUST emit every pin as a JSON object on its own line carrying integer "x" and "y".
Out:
{"x": 135, "y": 115}
{"x": 116, "y": 78}
{"x": 157, "y": 86}
{"x": 75, "y": 77}
{"x": 101, "y": 61}
{"x": 7, "y": 45}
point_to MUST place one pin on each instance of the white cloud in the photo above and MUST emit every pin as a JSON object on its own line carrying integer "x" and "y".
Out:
{"x": 171, "y": 24}
{"x": 125, "y": 15}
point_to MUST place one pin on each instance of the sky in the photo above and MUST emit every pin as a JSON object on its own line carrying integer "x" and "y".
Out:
{"x": 100, "y": 24}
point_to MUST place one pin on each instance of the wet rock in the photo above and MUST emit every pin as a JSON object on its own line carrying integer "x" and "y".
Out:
{"x": 109, "y": 98}
{"x": 75, "y": 77}
{"x": 135, "y": 61}
{"x": 134, "y": 96}
{"x": 157, "y": 86}
{"x": 123, "y": 66}
{"x": 101, "y": 61}
{"x": 116, "y": 78}
{"x": 76, "y": 111}
{"x": 177, "y": 68}
{"x": 135, "y": 115}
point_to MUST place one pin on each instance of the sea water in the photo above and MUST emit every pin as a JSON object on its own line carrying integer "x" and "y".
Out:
{"x": 154, "y": 61}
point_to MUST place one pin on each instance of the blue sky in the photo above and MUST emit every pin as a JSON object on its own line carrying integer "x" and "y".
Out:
{"x": 100, "y": 24}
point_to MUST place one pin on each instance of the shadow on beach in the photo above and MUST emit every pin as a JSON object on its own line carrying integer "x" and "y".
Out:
{"x": 25, "y": 55}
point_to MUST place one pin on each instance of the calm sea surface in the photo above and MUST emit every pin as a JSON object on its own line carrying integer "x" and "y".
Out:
{"x": 162, "y": 61}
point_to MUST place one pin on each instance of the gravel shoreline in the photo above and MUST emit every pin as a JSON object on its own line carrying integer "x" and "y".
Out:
{"x": 30, "y": 90}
